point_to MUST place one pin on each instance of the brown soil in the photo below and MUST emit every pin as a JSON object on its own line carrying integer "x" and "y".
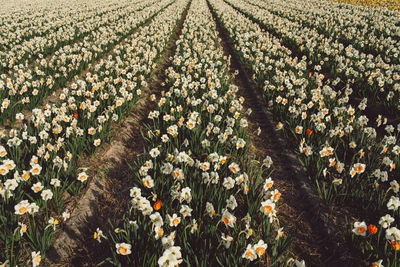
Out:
{"x": 107, "y": 196}
{"x": 315, "y": 229}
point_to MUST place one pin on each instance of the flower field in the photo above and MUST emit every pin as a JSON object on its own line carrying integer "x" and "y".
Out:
{"x": 323, "y": 75}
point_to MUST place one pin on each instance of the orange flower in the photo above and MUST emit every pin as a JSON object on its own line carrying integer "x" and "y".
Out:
{"x": 157, "y": 205}
{"x": 395, "y": 245}
{"x": 309, "y": 132}
{"x": 372, "y": 229}
{"x": 75, "y": 115}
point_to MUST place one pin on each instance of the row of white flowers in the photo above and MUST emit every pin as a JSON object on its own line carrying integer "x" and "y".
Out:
{"x": 370, "y": 32}
{"x": 27, "y": 86}
{"x": 364, "y": 6}
{"x": 369, "y": 75}
{"x": 39, "y": 161}
{"x": 341, "y": 149}
{"x": 66, "y": 30}
{"x": 198, "y": 199}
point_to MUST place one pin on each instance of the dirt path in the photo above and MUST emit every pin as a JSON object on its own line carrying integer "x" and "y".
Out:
{"x": 108, "y": 194}
{"x": 314, "y": 228}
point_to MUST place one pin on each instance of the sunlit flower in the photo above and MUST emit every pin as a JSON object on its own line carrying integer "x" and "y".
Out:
{"x": 123, "y": 248}
{"x": 46, "y": 194}
{"x": 36, "y": 169}
{"x": 37, "y": 187}
{"x": 267, "y": 207}
{"x": 360, "y": 228}
{"x": 378, "y": 263}
{"x": 173, "y": 220}
{"x": 260, "y": 248}
{"x": 36, "y": 258}
{"x": 82, "y": 177}
{"x": 250, "y": 253}
{"x": 228, "y": 219}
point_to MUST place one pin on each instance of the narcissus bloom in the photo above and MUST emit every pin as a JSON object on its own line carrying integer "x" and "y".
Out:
{"x": 386, "y": 220}
{"x": 36, "y": 169}
{"x": 228, "y": 219}
{"x": 226, "y": 240}
{"x": 392, "y": 234}
{"x": 148, "y": 181}
{"x": 82, "y": 177}
{"x": 267, "y": 207}
{"x": 260, "y": 248}
{"x": 22, "y": 207}
{"x": 250, "y": 253}
{"x": 360, "y": 228}
{"x": 123, "y": 248}
{"x": 174, "y": 220}
{"x": 97, "y": 142}
{"x": 233, "y": 167}
{"x": 378, "y": 263}
{"x": 23, "y": 228}
{"x": 37, "y": 187}
{"x": 36, "y": 258}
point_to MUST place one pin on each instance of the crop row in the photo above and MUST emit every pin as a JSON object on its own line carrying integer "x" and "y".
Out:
{"x": 28, "y": 86}
{"x": 42, "y": 20}
{"x": 371, "y": 33}
{"x": 198, "y": 198}
{"x": 372, "y": 77}
{"x": 367, "y": 4}
{"x": 348, "y": 160}
{"x": 39, "y": 162}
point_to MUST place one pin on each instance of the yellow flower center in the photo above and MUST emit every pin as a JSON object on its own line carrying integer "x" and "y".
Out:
{"x": 37, "y": 259}
{"x": 361, "y": 230}
{"x": 267, "y": 209}
{"x": 227, "y": 220}
{"x": 260, "y": 250}
{"x": 22, "y": 210}
{"x": 160, "y": 232}
{"x": 123, "y": 250}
